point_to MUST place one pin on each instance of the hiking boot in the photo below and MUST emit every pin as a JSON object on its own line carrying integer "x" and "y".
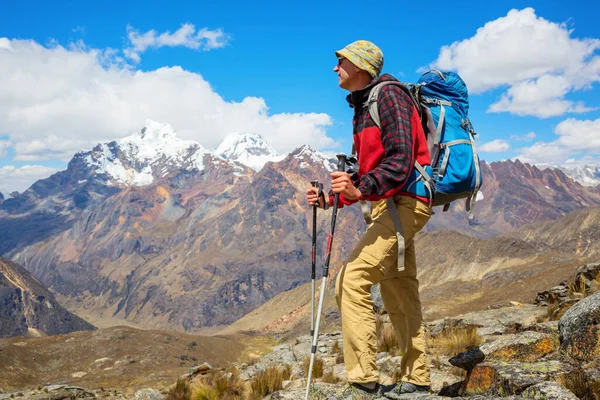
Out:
{"x": 406, "y": 388}
{"x": 356, "y": 391}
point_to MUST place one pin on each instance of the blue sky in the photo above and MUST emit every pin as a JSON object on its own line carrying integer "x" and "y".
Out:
{"x": 267, "y": 67}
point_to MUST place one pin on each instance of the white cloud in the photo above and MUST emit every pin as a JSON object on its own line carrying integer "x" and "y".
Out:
{"x": 580, "y": 135}
{"x": 544, "y": 153}
{"x": 56, "y": 101}
{"x": 523, "y": 138}
{"x": 536, "y": 58}
{"x": 185, "y": 36}
{"x": 495, "y": 146}
{"x": 578, "y": 143}
{"x": 4, "y": 146}
{"x": 19, "y": 179}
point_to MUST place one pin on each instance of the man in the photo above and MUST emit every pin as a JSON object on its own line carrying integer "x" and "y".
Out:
{"x": 386, "y": 159}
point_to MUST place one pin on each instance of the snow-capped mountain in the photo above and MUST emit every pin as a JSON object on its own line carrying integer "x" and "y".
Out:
{"x": 307, "y": 153}
{"x": 249, "y": 150}
{"x": 588, "y": 175}
{"x": 144, "y": 156}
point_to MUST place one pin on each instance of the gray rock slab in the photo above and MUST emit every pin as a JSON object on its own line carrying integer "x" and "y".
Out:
{"x": 548, "y": 391}
{"x": 491, "y": 322}
{"x": 579, "y": 329}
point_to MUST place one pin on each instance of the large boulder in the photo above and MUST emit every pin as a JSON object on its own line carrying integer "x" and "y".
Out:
{"x": 527, "y": 346}
{"x": 503, "y": 377}
{"x": 579, "y": 329}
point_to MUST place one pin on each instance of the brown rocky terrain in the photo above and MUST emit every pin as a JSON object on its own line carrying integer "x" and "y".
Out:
{"x": 122, "y": 358}
{"x": 27, "y": 308}
{"x": 460, "y": 274}
{"x": 517, "y": 351}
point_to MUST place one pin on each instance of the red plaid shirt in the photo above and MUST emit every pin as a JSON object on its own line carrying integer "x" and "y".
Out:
{"x": 386, "y": 157}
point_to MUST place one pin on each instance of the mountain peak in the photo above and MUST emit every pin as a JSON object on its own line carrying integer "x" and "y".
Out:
{"x": 141, "y": 157}
{"x": 306, "y": 153}
{"x": 153, "y": 130}
{"x": 587, "y": 175}
{"x": 252, "y": 150}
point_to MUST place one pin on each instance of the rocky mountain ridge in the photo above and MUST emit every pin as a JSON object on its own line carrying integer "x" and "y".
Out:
{"x": 28, "y": 308}
{"x": 204, "y": 244}
{"x": 587, "y": 175}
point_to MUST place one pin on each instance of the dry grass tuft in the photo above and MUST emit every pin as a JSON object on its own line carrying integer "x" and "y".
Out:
{"x": 287, "y": 372}
{"x": 220, "y": 387}
{"x": 266, "y": 382}
{"x": 181, "y": 391}
{"x": 454, "y": 341}
{"x": 387, "y": 341}
{"x": 329, "y": 377}
{"x": 205, "y": 392}
{"x": 336, "y": 348}
{"x": 318, "y": 367}
{"x": 578, "y": 383}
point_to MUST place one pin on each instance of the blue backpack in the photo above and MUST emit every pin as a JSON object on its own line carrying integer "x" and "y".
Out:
{"x": 442, "y": 101}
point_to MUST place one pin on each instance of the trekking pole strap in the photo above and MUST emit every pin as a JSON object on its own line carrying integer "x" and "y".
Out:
{"x": 391, "y": 206}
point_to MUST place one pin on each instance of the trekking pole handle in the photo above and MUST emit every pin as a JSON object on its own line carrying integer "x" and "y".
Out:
{"x": 320, "y": 194}
{"x": 341, "y": 166}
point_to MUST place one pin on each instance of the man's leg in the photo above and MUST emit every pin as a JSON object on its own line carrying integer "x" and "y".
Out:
{"x": 353, "y": 295}
{"x": 400, "y": 295}
{"x": 353, "y": 290}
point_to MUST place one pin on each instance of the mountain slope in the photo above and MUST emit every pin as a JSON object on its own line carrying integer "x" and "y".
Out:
{"x": 28, "y": 308}
{"x": 514, "y": 194}
{"x": 460, "y": 274}
{"x": 188, "y": 239}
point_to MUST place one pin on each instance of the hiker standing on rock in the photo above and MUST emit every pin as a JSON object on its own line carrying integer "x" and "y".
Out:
{"x": 386, "y": 158}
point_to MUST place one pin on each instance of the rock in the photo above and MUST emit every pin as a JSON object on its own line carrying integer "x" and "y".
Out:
{"x": 490, "y": 322}
{"x": 387, "y": 367}
{"x": 200, "y": 370}
{"x": 148, "y": 394}
{"x": 439, "y": 379}
{"x": 587, "y": 275}
{"x": 79, "y": 374}
{"x": 548, "y": 391}
{"x": 451, "y": 390}
{"x": 101, "y": 362}
{"x": 579, "y": 329}
{"x": 378, "y": 306}
{"x": 527, "y": 346}
{"x": 512, "y": 378}
{"x": 468, "y": 359}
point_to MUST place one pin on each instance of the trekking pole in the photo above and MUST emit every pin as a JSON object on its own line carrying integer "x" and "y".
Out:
{"x": 341, "y": 166}
{"x": 315, "y": 184}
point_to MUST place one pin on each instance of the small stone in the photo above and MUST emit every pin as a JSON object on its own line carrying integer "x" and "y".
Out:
{"x": 148, "y": 394}
{"x": 200, "y": 369}
{"x": 79, "y": 374}
{"x": 468, "y": 359}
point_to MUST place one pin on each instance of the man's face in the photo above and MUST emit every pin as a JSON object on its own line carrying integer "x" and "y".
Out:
{"x": 347, "y": 73}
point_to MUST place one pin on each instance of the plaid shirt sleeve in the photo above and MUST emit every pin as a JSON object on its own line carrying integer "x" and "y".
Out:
{"x": 395, "y": 111}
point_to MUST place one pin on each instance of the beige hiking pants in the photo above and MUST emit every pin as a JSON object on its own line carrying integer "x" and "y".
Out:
{"x": 374, "y": 260}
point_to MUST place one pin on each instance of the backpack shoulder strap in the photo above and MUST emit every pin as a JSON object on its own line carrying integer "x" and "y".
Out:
{"x": 374, "y": 95}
